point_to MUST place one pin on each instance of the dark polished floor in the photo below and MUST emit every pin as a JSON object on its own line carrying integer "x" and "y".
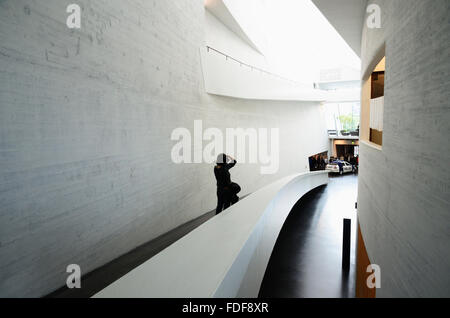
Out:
{"x": 307, "y": 258}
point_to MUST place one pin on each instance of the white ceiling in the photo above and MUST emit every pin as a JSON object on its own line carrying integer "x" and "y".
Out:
{"x": 347, "y": 17}
{"x": 299, "y": 38}
{"x": 220, "y": 10}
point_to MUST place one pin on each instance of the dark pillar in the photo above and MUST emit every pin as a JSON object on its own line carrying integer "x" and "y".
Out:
{"x": 346, "y": 244}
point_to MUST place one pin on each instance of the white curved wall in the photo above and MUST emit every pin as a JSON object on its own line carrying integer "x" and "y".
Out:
{"x": 230, "y": 78}
{"x": 225, "y": 257}
{"x": 226, "y": 77}
{"x": 403, "y": 199}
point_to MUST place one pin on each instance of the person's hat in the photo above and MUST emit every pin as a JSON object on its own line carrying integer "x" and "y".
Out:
{"x": 221, "y": 159}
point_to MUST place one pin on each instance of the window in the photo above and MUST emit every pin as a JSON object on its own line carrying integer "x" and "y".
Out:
{"x": 343, "y": 118}
{"x": 372, "y": 112}
{"x": 377, "y": 104}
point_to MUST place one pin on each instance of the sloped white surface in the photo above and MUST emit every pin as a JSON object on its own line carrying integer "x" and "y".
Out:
{"x": 224, "y": 257}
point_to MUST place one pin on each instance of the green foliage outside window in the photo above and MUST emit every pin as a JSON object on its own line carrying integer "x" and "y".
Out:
{"x": 348, "y": 122}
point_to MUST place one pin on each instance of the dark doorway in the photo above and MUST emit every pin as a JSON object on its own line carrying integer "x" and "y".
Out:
{"x": 318, "y": 162}
{"x": 345, "y": 151}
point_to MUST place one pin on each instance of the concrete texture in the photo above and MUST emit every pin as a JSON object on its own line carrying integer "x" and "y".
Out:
{"x": 100, "y": 278}
{"x": 85, "y": 123}
{"x": 403, "y": 200}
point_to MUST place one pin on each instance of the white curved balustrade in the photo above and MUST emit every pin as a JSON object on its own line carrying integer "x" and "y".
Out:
{"x": 226, "y": 76}
{"x": 224, "y": 257}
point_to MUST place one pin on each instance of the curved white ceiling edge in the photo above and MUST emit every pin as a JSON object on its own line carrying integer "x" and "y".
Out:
{"x": 220, "y": 9}
{"x": 347, "y": 17}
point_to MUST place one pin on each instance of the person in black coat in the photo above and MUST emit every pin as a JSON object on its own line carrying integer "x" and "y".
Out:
{"x": 322, "y": 163}
{"x": 312, "y": 163}
{"x": 226, "y": 194}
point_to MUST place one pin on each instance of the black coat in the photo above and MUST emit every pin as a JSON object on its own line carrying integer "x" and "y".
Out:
{"x": 222, "y": 174}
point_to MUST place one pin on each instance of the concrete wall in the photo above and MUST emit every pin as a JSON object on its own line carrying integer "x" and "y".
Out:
{"x": 404, "y": 202}
{"x": 85, "y": 123}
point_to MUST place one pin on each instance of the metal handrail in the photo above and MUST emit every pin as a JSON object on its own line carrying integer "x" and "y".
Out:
{"x": 251, "y": 66}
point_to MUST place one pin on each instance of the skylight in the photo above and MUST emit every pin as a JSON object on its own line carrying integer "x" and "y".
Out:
{"x": 297, "y": 40}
